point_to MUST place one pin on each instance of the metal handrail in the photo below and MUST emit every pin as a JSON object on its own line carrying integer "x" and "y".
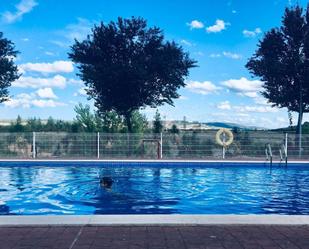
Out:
{"x": 269, "y": 154}
{"x": 285, "y": 151}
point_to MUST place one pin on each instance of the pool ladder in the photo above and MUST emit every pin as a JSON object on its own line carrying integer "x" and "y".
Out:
{"x": 282, "y": 152}
{"x": 268, "y": 153}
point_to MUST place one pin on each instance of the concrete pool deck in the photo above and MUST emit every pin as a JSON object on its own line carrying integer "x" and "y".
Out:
{"x": 155, "y": 237}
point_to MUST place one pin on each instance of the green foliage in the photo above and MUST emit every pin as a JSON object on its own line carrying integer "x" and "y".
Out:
{"x": 8, "y": 69}
{"x": 85, "y": 118}
{"x": 34, "y": 124}
{"x": 190, "y": 144}
{"x": 112, "y": 122}
{"x": 157, "y": 123}
{"x": 85, "y": 121}
{"x": 107, "y": 122}
{"x": 174, "y": 129}
{"x": 17, "y": 126}
{"x": 139, "y": 122}
{"x": 50, "y": 125}
{"x": 127, "y": 66}
{"x": 282, "y": 62}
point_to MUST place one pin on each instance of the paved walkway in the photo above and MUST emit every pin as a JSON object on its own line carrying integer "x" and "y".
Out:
{"x": 155, "y": 237}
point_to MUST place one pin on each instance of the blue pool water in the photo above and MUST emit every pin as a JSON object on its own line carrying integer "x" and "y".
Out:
{"x": 153, "y": 188}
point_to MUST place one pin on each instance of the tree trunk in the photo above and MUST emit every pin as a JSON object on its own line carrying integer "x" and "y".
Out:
{"x": 299, "y": 123}
{"x": 129, "y": 126}
{"x": 128, "y": 121}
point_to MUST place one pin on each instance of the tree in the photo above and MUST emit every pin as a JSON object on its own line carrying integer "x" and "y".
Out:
{"x": 112, "y": 122}
{"x": 139, "y": 122}
{"x": 34, "y": 124}
{"x": 157, "y": 123}
{"x": 8, "y": 69}
{"x": 174, "y": 129}
{"x": 85, "y": 118}
{"x": 282, "y": 63}
{"x": 50, "y": 125}
{"x": 127, "y": 66}
{"x": 17, "y": 126}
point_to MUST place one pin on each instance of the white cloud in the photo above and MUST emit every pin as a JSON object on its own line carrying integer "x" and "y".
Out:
{"x": 245, "y": 109}
{"x": 252, "y": 33}
{"x": 46, "y": 103}
{"x": 281, "y": 120}
{"x": 204, "y": 88}
{"x": 215, "y": 55}
{"x": 50, "y": 53}
{"x": 195, "y": 24}
{"x": 22, "y": 100}
{"x": 226, "y": 54}
{"x": 25, "y": 100}
{"x": 187, "y": 43}
{"x": 183, "y": 97}
{"x": 217, "y": 27}
{"x": 234, "y": 11}
{"x": 225, "y": 105}
{"x": 62, "y": 44}
{"x": 73, "y": 31}
{"x": 258, "y": 109}
{"x": 25, "y": 39}
{"x": 261, "y": 101}
{"x": 46, "y": 93}
{"x": 81, "y": 92}
{"x": 232, "y": 55}
{"x": 75, "y": 82}
{"x": 78, "y": 30}
{"x": 22, "y": 8}
{"x": 199, "y": 53}
{"x": 244, "y": 87}
{"x": 31, "y": 82}
{"x": 54, "y": 67}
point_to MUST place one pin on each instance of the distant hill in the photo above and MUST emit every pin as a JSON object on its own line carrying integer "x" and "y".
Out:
{"x": 305, "y": 129}
{"x": 195, "y": 125}
{"x": 232, "y": 125}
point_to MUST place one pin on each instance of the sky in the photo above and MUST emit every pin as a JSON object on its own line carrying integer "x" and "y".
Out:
{"x": 221, "y": 35}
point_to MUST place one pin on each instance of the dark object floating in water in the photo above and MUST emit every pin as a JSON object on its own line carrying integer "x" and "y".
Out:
{"x": 106, "y": 182}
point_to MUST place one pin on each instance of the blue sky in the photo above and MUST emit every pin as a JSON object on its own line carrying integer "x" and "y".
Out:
{"x": 221, "y": 35}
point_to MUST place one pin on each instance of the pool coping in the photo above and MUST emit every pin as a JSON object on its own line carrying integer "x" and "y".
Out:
{"x": 152, "y": 161}
{"x": 123, "y": 220}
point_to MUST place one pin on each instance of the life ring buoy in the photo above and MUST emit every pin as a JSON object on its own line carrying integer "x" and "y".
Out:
{"x": 228, "y": 133}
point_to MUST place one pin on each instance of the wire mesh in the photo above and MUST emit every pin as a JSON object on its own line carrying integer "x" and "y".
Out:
{"x": 247, "y": 145}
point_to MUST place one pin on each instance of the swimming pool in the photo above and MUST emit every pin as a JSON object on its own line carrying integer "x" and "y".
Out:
{"x": 44, "y": 188}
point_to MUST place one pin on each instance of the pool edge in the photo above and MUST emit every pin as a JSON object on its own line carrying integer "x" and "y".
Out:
{"x": 152, "y": 161}
{"x": 110, "y": 220}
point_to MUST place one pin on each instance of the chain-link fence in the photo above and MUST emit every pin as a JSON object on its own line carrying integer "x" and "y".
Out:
{"x": 247, "y": 145}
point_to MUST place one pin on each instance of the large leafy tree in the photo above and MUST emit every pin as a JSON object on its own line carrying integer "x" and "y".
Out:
{"x": 127, "y": 66}
{"x": 8, "y": 69}
{"x": 282, "y": 63}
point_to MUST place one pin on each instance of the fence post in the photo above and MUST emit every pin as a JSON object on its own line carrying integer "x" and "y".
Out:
{"x": 161, "y": 145}
{"x": 98, "y": 145}
{"x": 33, "y": 146}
